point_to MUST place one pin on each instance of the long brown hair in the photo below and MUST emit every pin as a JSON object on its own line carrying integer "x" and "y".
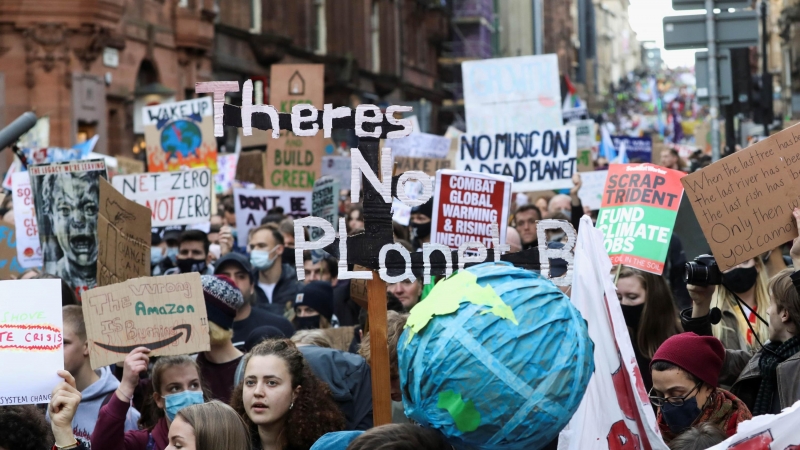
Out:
{"x": 314, "y": 413}
{"x": 151, "y": 413}
{"x": 659, "y": 317}
{"x": 216, "y": 426}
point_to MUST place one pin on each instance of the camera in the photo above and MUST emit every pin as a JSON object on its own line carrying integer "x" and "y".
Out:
{"x": 703, "y": 271}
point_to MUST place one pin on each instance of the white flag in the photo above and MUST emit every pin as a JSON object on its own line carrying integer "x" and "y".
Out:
{"x": 767, "y": 432}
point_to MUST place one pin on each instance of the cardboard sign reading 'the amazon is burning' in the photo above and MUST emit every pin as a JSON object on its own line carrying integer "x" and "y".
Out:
{"x": 165, "y": 314}
{"x": 123, "y": 229}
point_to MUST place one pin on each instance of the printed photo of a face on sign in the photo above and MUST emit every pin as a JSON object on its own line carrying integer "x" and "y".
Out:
{"x": 66, "y": 202}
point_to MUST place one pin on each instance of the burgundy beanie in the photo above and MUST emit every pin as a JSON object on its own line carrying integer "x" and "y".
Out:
{"x": 222, "y": 298}
{"x": 701, "y": 356}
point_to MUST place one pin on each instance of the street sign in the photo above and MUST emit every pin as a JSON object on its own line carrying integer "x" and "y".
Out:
{"x": 724, "y": 77}
{"x": 679, "y": 5}
{"x": 736, "y": 29}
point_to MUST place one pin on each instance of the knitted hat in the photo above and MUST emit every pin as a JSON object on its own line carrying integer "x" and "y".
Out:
{"x": 223, "y": 298}
{"x": 426, "y": 209}
{"x": 317, "y": 295}
{"x": 701, "y": 356}
{"x": 235, "y": 258}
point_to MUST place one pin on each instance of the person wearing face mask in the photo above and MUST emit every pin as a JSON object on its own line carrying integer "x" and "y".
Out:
{"x": 176, "y": 384}
{"x": 277, "y": 285}
{"x": 569, "y": 205}
{"x": 313, "y": 306}
{"x": 649, "y": 312}
{"x": 685, "y": 371}
{"x": 164, "y": 250}
{"x": 192, "y": 254}
{"x": 420, "y": 224}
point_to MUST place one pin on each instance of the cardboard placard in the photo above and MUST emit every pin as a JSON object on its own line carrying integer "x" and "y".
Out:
{"x": 537, "y": 160}
{"x": 640, "y": 204}
{"x": 427, "y": 165}
{"x": 174, "y": 198}
{"x": 9, "y": 264}
{"x": 420, "y": 145}
{"x": 338, "y": 167}
{"x": 66, "y": 199}
{"x": 226, "y": 172}
{"x": 251, "y": 167}
{"x": 592, "y": 186}
{"x": 294, "y": 163}
{"x": 638, "y": 149}
{"x": 744, "y": 202}
{"x": 29, "y": 248}
{"x": 180, "y": 135}
{"x": 166, "y": 314}
{"x": 128, "y": 166}
{"x": 252, "y": 205}
{"x": 584, "y": 162}
{"x": 325, "y": 204}
{"x": 123, "y": 229}
{"x": 504, "y": 95}
{"x": 466, "y": 206}
{"x": 358, "y": 288}
{"x": 31, "y": 340}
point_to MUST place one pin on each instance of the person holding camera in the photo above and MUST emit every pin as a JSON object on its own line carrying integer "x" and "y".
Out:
{"x": 766, "y": 381}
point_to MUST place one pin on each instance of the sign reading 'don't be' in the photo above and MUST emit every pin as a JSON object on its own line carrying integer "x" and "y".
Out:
{"x": 166, "y": 314}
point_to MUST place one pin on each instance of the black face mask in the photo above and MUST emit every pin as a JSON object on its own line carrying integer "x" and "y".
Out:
{"x": 192, "y": 265}
{"x": 287, "y": 257}
{"x": 306, "y": 323}
{"x": 679, "y": 418}
{"x": 740, "y": 280}
{"x": 633, "y": 314}
{"x": 420, "y": 230}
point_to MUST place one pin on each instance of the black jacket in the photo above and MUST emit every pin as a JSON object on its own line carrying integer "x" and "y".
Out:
{"x": 285, "y": 292}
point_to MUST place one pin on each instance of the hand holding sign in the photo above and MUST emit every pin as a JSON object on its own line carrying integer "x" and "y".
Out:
{"x": 64, "y": 403}
{"x": 135, "y": 363}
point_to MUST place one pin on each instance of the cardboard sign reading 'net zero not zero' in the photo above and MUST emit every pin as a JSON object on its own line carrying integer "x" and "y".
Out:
{"x": 165, "y": 314}
{"x": 640, "y": 204}
{"x": 744, "y": 202}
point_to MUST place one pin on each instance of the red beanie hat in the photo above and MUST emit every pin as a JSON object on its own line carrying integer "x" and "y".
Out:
{"x": 701, "y": 356}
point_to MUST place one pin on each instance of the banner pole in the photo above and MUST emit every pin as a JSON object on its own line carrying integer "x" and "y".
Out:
{"x": 379, "y": 351}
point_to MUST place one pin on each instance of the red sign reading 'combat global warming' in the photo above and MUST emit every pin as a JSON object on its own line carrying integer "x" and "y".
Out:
{"x": 466, "y": 204}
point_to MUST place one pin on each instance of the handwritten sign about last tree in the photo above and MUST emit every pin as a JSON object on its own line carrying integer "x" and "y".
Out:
{"x": 165, "y": 314}
{"x": 744, "y": 201}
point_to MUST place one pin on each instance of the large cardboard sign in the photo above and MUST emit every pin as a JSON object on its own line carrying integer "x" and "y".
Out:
{"x": 294, "y": 163}
{"x": 536, "y": 160}
{"x": 638, "y": 149}
{"x": 505, "y": 95}
{"x": 744, "y": 202}
{"x": 180, "y": 135}
{"x": 427, "y": 165}
{"x": 66, "y": 202}
{"x": 9, "y": 263}
{"x": 124, "y": 237}
{"x": 31, "y": 340}
{"x": 166, "y": 314}
{"x": 251, "y": 167}
{"x": 421, "y": 145}
{"x": 592, "y": 187}
{"x": 325, "y": 203}
{"x": 338, "y": 167}
{"x": 29, "y": 249}
{"x": 640, "y": 203}
{"x": 466, "y": 205}
{"x": 252, "y": 205}
{"x": 174, "y": 198}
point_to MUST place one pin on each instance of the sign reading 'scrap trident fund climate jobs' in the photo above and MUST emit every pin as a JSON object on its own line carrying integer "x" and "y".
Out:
{"x": 640, "y": 203}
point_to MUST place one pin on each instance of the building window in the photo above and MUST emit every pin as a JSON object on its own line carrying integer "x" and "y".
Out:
{"x": 255, "y": 16}
{"x": 320, "y": 30}
{"x": 183, "y": 3}
{"x": 375, "y": 36}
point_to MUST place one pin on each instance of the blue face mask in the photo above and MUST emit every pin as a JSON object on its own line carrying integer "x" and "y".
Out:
{"x": 176, "y": 402}
{"x": 262, "y": 260}
{"x": 156, "y": 255}
{"x": 172, "y": 253}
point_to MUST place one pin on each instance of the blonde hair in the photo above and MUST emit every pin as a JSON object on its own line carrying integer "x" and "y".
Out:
{"x": 216, "y": 426}
{"x": 395, "y": 324}
{"x": 217, "y": 334}
{"x": 723, "y": 299}
{"x": 311, "y": 337}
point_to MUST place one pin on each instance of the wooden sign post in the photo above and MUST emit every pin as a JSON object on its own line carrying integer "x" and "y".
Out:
{"x": 379, "y": 355}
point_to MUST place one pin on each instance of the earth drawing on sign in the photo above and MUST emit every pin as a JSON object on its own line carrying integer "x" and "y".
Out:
{"x": 181, "y": 136}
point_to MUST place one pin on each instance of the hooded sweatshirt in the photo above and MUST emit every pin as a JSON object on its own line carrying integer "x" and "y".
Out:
{"x": 92, "y": 399}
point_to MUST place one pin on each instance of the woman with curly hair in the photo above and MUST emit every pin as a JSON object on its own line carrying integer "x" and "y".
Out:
{"x": 285, "y": 406}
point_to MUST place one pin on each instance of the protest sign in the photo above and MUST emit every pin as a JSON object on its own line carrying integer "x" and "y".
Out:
{"x": 505, "y": 95}
{"x": 180, "y": 135}
{"x": 65, "y": 197}
{"x": 252, "y": 205}
{"x": 226, "y": 172}
{"x": 29, "y": 249}
{"x": 127, "y": 166}
{"x": 174, "y": 198}
{"x": 638, "y": 149}
{"x": 427, "y": 165}
{"x": 537, "y": 160}
{"x": 585, "y": 133}
{"x": 123, "y": 229}
{"x": 769, "y": 431}
{"x": 31, "y": 340}
{"x": 744, "y": 201}
{"x": 466, "y": 204}
{"x": 251, "y": 166}
{"x": 615, "y": 412}
{"x": 9, "y": 264}
{"x": 15, "y": 167}
{"x": 293, "y": 162}
{"x": 592, "y": 187}
{"x": 166, "y": 314}
{"x": 640, "y": 203}
{"x": 338, "y": 167}
{"x": 325, "y": 203}
{"x": 420, "y": 145}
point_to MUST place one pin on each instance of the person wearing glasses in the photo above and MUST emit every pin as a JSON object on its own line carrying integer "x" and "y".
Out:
{"x": 685, "y": 371}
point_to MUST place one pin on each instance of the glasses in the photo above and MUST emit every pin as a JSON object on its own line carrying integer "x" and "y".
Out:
{"x": 674, "y": 401}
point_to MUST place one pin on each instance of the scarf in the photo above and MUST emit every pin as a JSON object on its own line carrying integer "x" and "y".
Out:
{"x": 723, "y": 410}
{"x": 768, "y": 365}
